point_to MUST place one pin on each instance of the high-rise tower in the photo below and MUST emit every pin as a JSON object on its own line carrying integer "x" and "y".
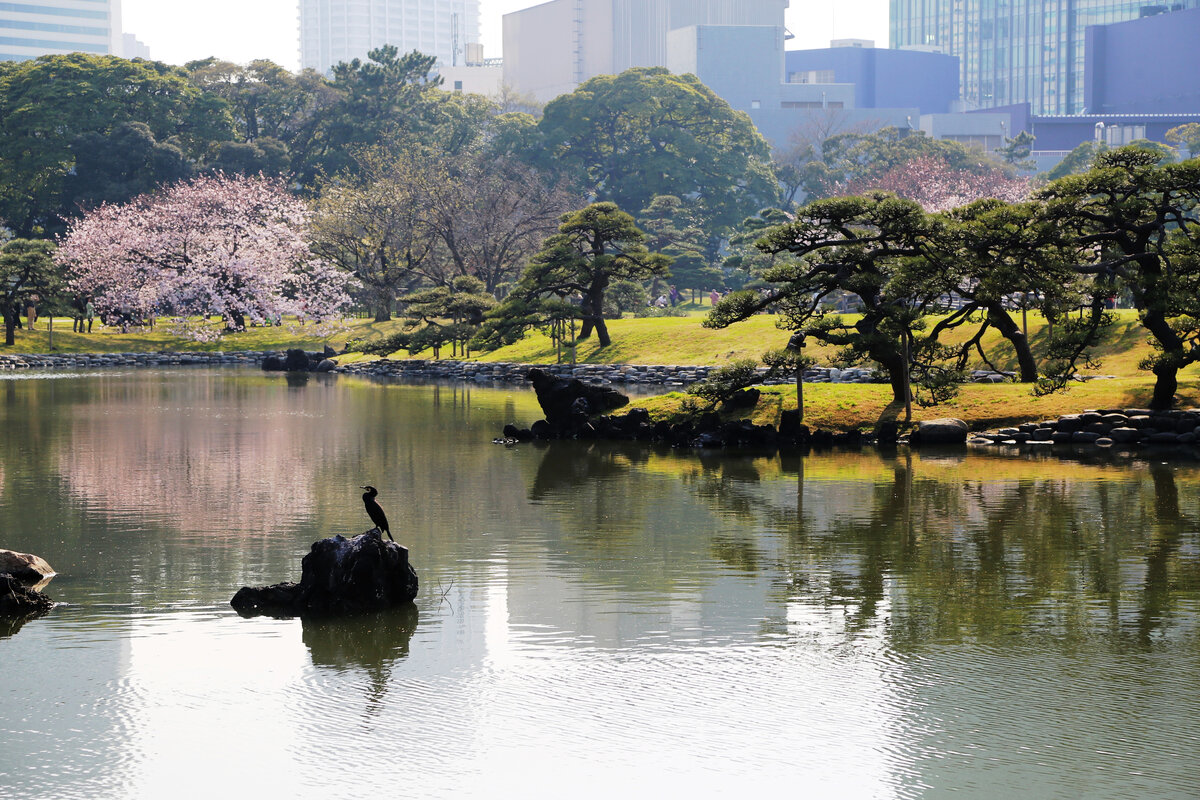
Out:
{"x": 1016, "y": 51}
{"x": 40, "y": 27}
{"x": 332, "y": 31}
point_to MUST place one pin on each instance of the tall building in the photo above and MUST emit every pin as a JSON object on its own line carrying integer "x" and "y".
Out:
{"x": 553, "y": 47}
{"x": 332, "y": 31}
{"x": 42, "y": 27}
{"x": 1016, "y": 51}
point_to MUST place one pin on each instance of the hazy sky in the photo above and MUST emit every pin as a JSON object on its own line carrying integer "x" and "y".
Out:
{"x": 242, "y": 30}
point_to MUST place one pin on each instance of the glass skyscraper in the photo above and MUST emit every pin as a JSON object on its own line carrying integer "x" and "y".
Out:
{"x": 1015, "y": 51}
{"x": 332, "y": 31}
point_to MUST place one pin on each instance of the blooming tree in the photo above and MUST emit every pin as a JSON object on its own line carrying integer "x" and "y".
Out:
{"x": 220, "y": 244}
{"x": 939, "y": 186}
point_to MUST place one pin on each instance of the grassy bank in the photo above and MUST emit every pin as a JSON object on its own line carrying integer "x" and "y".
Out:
{"x": 682, "y": 340}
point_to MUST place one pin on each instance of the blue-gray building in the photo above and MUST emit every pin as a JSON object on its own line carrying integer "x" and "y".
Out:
{"x": 744, "y": 65}
{"x": 1021, "y": 51}
{"x": 882, "y": 78}
{"x": 1145, "y": 66}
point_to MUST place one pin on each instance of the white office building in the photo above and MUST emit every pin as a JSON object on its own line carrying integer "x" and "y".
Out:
{"x": 332, "y": 31}
{"x": 33, "y": 28}
{"x": 551, "y": 48}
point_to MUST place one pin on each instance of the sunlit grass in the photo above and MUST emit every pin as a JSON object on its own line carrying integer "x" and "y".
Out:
{"x": 683, "y": 341}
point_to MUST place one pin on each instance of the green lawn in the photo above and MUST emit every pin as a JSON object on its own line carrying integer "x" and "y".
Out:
{"x": 682, "y": 340}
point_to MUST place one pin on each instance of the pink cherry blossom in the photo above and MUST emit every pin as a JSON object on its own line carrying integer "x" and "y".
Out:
{"x": 220, "y": 244}
{"x": 937, "y": 186}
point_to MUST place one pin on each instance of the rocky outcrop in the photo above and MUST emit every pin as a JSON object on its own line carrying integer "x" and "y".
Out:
{"x": 938, "y": 431}
{"x": 567, "y": 404}
{"x": 338, "y": 576}
{"x": 1121, "y": 428}
{"x": 17, "y": 600}
{"x": 297, "y": 360}
{"x": 29, "y": 569}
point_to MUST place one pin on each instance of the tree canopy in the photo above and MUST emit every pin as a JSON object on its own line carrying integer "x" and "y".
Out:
{"x": 646, "y": 132}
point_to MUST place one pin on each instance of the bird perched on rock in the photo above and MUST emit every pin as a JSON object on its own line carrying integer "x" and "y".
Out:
{"x": 375, "y": 511}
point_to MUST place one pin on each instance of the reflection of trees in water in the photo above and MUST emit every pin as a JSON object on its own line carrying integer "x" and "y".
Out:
{"x": 372, "y": 643}
{"x": 591, "y": 484}
{"x": 941, "y": 557}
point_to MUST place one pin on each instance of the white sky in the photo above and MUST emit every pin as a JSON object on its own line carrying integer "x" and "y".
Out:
{"x": 242, "y": 30}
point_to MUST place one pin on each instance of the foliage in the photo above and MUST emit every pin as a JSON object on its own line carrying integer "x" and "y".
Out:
{"x": 447, "y": 314}
{"x": 858, "y": 245}
{"x": 1137, "y": 218}
{"x": 935, "y": 184}
{"x": 27, "y": 269}
{"x": 726, "y": 381}
{"x": 646, "y": 132}
{"x": 490, "y": 214}
{"x": 53, "y": 109}
{"x": 1187, "y": 135}
{"x": 594, "y": 247}
{"x": 223, "y": 245}
{"x": 863, "y": 159}
{"x": 672, "y": 229}
{"x": 371, "y": 223}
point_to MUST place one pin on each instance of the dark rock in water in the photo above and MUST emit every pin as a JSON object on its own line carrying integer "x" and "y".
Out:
{"x": 329, "y": 352}
{"x": 325, "y": 365}
{"x": 31, "y": 570}
{"x": 272, "y": 363}
{"x": 939, "y": 431}
{"x": 338, "y": 576}
{"x": 18, "y": 600}
{"x": 296, "y": 361}
{"x": 560, "y": 399}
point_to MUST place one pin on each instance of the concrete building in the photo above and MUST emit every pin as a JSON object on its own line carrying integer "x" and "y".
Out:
{"x": 41, "y": 27}
{"x": 333, "y": 31}
{"x": 881, "y": 78}
{"x": 744, "y": 65}
{"x": 1145, "y": 66}
{"x": 1023, "y": 51}
{"x": 553, "y": 47}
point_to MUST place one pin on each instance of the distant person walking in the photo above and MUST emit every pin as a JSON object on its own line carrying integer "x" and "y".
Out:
{"x": 714, "y": 297}
{"x": 89, "y": 312}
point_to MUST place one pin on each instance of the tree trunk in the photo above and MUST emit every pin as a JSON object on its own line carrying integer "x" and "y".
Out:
{"x": 1166, "y": 366}
{"x": 10, "y": 327}
{"x": 383, "y": 307}
{"x": 1008, "y": 328}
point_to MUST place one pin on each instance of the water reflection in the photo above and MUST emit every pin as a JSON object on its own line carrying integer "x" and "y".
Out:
{"x": 370, "y": 644}
{"x": 637, "y": 618}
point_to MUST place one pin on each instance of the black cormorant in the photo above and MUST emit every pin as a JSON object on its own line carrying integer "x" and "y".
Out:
{"x": 375, "y": 511}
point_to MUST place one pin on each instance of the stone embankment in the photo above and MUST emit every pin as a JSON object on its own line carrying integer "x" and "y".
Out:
{"x": 595, "y": 374}
{"x": 99, "y": 360}
{"x": 1129, "y": 427}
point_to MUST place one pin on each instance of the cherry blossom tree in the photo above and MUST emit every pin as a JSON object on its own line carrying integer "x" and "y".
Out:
{"x": 220, "y": 244}
{"x": 938, "y": 186}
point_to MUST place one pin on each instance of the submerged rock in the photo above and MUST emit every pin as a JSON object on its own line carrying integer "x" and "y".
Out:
{"x": 17, "y": 600}
{"x": 338, "y": 576}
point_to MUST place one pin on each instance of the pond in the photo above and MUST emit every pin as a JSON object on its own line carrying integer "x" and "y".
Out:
{"x": 593, "y": 621}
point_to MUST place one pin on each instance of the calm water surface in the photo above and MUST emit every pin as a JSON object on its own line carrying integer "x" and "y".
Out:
{"x": 594, "y": 621}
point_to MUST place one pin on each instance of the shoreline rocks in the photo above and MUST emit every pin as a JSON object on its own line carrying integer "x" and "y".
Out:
{"x": 338, "y": 576}
{"x": 1103, "y": 428}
